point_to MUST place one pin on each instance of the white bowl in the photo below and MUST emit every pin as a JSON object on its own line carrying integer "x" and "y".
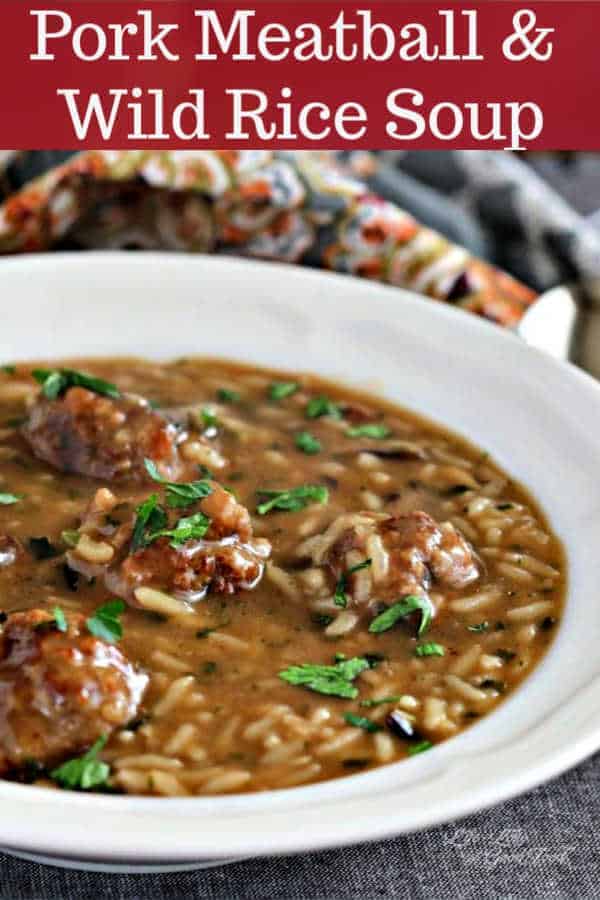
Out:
{"x": 539, "y": 418}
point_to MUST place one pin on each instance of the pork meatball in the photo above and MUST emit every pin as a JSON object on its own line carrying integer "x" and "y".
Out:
{"x": 408, "y": 554}
{"x": 220, "y": 555}
{"x": 59, "y": 691}
{"x": 104, "y": 437}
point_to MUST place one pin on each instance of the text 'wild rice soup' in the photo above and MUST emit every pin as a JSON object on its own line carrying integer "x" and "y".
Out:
{"x": 217, "y": 578}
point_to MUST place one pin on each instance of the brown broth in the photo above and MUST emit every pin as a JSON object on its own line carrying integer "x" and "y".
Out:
{"x": 246, "y": 728}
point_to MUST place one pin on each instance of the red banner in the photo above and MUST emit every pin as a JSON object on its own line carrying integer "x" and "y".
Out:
{"x": 166, "y": 73}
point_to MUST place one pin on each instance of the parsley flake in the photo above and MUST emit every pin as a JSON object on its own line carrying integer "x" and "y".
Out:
{"x": 178, "y": 495}
{"x": 420, "y": 747}
{"x": 323, "y": 406}
{"x": 399, "y": 610}
{"x": 83, "y": 772}
{"x": 378, "y": 701}
{"x": 279, "y": 390}
{"x": 430, "y": 649}
{"x": 60, "y": 619}
{"x": 209, "y": 419}
{"x": 362, "y": 722}
{"x": 373, "y": 430}
{"x": 224, "y": 395}
{"x": 150, "y": 517}
{"x": 9, "y": 499}
{"x": 306, "y": 442}
{"x": 335, "y": 680}
{"x": 340, "y": 598}
{"x": 105, "y": 624}
{"x": 186, "y": 529}
{"x": 292, "y": 499}
{"x": 70, "y": 537}
{"x": 56, "y": 381}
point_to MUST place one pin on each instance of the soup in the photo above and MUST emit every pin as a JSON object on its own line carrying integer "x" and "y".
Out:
{"x": 217, "y": 578}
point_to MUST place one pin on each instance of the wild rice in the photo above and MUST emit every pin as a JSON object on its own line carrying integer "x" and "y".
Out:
{"x": 173, "y": 696}
{"x": 228, "y": 781}
{"x": 530, "y": 612}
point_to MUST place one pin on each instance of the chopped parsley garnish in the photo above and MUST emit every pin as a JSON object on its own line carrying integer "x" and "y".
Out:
{"x": 381, "y": 700}
{"x": 58, "y": 622}
{"x": 150, "y": 517}
{"x": 481, "y": 626}
{"x": 9, "y": 499}
{"x": 413, "y": 749}
{"x": 41, "y": 548}
{"x": 60, "y": 619}
{"x": 404, "y": 607}
{"x": 340, "y": 597}
{"x": 306, "y": 442}
{"x": 362, "y": 722}
{"x": 323, "y": 406}
{"x": 279, "y": 390}
{"x": 429, "y": 649}
{"x": 377, "y": 432}
{"x": 334, "y": 680}
{"x": 70, "y": 537}
{"x": 209, "y": 419}
{"x": 105, "y": 624}
{"x": 224, "y": 395}
{"x": 179, "y": 495}
{"x": 56, "y": 381}
{"x": 83, "y": 772}
{"x": 292, "y": 499}
{"x": 186, "y": 529}
{"x": 8, "y": 370}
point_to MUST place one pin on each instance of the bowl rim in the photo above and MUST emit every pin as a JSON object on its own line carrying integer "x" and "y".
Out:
{"x": 235, "y": 822}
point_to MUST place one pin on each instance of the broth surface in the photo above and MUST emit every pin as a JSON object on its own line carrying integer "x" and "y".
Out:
{"x": 216, "y": 715}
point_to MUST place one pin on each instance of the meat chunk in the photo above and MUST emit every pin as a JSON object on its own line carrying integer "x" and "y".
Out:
{"x": 103, "y": 437}
{"x": 59, "y": 692}
{"x": 408, "y": 555}
{"x": 419, "y": 545}
{"x": 219, "y": 554}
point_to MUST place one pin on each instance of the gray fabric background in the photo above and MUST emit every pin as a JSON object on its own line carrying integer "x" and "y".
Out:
{"x": 543, "y": 845}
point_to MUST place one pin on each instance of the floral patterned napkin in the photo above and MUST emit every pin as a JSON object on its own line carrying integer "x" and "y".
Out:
{"x": 318, "y": 209}
{"x": 372, "y": 214}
